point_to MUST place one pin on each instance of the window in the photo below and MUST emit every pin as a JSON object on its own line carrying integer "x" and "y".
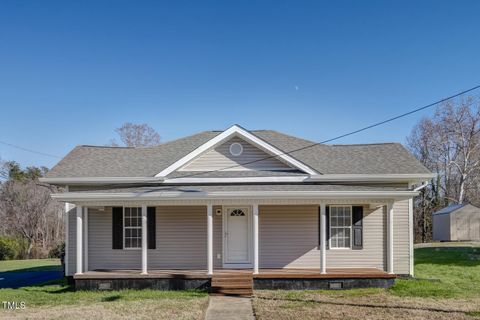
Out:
{"x": 237, "y": 213}
{"x": 236, "y": 149}
{"x": 340, "y": 226}
{"x": 132, "y": 228}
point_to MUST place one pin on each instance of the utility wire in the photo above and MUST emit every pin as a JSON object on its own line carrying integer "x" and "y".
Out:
{"x": 340, "y": 136}
{"x": 29, "y": 150}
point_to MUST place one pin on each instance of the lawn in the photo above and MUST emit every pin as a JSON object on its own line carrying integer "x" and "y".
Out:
{"x": 447, "y": 287}
{"x": 30, "y": 265}
{"x": 57, "y": 300}
{"x": 60, "y": 301}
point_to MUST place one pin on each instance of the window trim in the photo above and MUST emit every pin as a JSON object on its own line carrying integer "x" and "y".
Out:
{"x": 330, "y": 227}
{"x": 123, "y": 229}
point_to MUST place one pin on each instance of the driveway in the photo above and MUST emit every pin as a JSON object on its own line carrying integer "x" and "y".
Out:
{"x": 22, "y": 279}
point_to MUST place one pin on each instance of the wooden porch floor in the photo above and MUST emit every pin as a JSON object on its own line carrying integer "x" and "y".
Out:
{"x": 332, "y": 273}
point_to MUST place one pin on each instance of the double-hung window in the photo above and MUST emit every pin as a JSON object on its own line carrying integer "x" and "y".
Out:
{"x": 132, "y": 228}
{"x": 340, "y": 227}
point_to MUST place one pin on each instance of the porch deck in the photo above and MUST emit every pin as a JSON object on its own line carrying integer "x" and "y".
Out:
{"x": 332, "y": 273}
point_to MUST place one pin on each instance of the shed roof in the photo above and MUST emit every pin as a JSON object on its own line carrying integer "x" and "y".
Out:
{"x": 451, "y": 208}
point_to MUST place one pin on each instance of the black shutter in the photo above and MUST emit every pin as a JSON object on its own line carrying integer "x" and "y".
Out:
{"x": 117, "y": 228}
{"x": 357, "y": 227}
{"x": 151, "y": 228}
{"x": 328, "y": 227}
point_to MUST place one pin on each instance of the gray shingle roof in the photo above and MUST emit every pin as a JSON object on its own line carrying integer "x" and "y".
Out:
{"x": 94, "y": 161}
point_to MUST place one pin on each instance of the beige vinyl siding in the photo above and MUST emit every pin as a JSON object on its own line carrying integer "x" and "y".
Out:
{"x": 373, "y": 254}
{"x": 181, "y": 238}
{"x": 100, "y": 252}
{"x": 288, "y": 237}
{"x": 401, "y": 247}
{"x": 220, "y": 157}
{"x": 217, "y": 237}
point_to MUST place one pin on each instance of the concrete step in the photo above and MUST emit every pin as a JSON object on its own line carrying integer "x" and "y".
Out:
{"x": 215, "y": 280}
{"x": 232, "y": 286}
{"x": 233, "y": 292}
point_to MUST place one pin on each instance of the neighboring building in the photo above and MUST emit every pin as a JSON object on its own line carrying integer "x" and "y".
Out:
{"x": 188, "y": 212}
{"x": 457, "y": 222}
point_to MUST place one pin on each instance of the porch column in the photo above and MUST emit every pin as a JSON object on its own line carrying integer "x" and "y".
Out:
{"x": 85, "y": 218}
{"x": 67, "y": 235}
{"x": 255, "y": 239}
{"x": 390, "y": 237}
{"x": 323, "y": 238}
{"x": 79, "y": 239}
{"x": 209, "y": 239}
{"x": 144, "y": 239}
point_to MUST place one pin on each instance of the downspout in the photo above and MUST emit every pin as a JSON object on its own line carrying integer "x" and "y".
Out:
{"x": 410, "y": 231}
{"x": 423, "y": 185}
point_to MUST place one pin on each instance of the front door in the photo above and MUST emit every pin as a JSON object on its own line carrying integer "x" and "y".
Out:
{"x": 237, "y": 237}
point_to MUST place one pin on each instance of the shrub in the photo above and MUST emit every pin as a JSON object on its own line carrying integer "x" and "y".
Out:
{"x": 9, "y": 248}
{"x": 58, "y": 251}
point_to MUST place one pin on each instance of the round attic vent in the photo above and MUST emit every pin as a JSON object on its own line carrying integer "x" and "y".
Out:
{"x": 236, "y": 149}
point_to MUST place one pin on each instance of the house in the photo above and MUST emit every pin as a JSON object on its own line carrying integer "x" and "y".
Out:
{"x": 457, "y": 222}
{"x": 200, "y": 210}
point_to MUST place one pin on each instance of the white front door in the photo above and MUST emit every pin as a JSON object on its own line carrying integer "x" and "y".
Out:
{"x": 237, "y": 237}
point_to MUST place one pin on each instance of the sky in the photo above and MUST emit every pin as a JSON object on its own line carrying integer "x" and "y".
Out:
{"x": 73, "y": 71}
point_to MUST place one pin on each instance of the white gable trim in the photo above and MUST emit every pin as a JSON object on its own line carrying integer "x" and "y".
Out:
{"x": 239, "y": 131}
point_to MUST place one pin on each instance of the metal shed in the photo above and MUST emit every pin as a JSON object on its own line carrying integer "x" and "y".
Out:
{"x": 457, "y": 222}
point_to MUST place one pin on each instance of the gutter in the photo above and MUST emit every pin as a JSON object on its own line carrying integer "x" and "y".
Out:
{"x": 364, "y": 178}
{"x": 422, "y": 186}
{"x": 314, "y": 195}
{"x": 372, "y": 177}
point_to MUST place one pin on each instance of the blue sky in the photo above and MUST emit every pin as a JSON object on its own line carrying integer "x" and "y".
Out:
{"x": 73, "y": 71}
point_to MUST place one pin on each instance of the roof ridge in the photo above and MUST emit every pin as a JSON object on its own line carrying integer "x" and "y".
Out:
{"x": 363, "y": 144}
{"x": 97, "y": 146}
{"x": 295, "y": 137}
{"x": 144, "y": 147}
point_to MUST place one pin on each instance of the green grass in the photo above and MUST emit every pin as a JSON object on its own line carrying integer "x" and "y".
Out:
{"x": 58, "y": 293}
{"x": 443, "y": 272}
{"x": 30, "y": 265}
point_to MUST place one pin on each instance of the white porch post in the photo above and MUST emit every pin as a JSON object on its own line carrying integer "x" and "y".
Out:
{"x": 144, "y": 239}
{"x": 209, "y": 239}
{"x": 255, "y": 239}
{"x": 390, "y": 237}
{"x": 323, "y": 238}
{"x": 79, "y": 239}
{"x": 67, "y": 235}
{"x": 85, "y": 218}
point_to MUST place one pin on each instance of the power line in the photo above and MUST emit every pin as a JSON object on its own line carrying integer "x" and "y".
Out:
{"x": 342, "y": 135}
{"x": 29, "y": 150}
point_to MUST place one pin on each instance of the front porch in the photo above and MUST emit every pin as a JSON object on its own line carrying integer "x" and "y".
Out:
{"x": 310, "y": 273}
{"x": 234, "y": 281}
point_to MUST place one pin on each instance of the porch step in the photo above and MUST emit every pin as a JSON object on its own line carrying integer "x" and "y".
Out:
{"x": 235, "y": 284}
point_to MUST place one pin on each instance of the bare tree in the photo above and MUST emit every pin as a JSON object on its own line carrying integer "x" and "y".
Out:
{"x": 448, "y": 143}
{"x": 32, "y": 214}
{"x": 28, "y": 212}
{"x": 137, "y": 135}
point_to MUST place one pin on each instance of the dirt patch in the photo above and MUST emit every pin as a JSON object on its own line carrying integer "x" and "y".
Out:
{"x": 289, "y": 310}
{"x": 350, "y": 304}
